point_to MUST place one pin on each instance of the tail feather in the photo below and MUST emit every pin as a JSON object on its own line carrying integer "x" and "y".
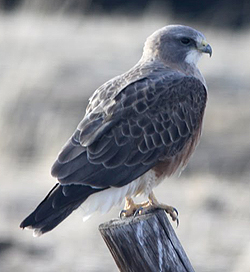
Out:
{"x": 60, "y": 202}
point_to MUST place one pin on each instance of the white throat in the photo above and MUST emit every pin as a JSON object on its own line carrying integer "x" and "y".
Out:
{"x": 193, "y": 57}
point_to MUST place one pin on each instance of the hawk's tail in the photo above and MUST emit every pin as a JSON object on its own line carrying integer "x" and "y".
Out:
{"x": 60, "y": 202}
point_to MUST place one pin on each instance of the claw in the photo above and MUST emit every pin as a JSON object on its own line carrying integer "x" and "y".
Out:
{"x": 138, "y": 211}
{"x": 122, "y": 214}
{"x": 176, "y": 211}
{"x": 174, "y": 215}
{"x": 177, "y": 222}
{"x": 168, "y": 209}
{"x": 132, "y": 209}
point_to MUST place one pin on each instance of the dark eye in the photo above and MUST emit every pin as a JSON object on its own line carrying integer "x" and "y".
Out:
{"x": 185, "y": 41}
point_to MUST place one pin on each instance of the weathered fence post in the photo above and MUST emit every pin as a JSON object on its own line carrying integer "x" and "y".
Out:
{"x": 145, "y": 243}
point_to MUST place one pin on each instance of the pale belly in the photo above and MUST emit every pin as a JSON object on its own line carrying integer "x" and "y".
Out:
{"x": 105, "y": 200}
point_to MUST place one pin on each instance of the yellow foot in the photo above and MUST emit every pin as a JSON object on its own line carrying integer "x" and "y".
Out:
{"x": 131, "y": 208}
{"x": 134, "y": 209}
{"x": 168, "y": 209}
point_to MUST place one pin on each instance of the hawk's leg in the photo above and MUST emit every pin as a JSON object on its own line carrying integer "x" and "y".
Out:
{"x": 131, "y": 207}
{"x": 153, "y": 203}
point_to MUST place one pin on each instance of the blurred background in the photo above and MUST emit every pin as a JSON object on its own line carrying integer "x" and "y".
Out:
{"x": 53, "y": 55}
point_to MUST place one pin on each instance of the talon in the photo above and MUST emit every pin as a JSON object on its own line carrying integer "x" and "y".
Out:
{"x": 138, "y": 211}
{"x": 176, "y": 211}
{"x": 132, "y": 209}
{"x": 174, "y": 217}
{"x": 122, "y": 213}
{"x": 173, "y": 214}
{"x": 168, "y": 209}
{"x": 177, "y": 222}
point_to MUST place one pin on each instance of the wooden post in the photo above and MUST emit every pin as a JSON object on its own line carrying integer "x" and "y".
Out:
{"x": 145, "y": 243}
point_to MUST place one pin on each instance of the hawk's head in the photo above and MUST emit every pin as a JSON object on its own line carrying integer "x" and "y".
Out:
{"x": 176, "y": 44}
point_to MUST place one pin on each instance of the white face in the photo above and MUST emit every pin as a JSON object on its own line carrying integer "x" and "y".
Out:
{"x": 193, "y": 56}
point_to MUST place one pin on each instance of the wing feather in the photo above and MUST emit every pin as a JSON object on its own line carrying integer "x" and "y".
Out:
{"x": 149, "y": 120}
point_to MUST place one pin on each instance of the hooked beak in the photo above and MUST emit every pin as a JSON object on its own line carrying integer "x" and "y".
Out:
{"x": 204, "y": 47}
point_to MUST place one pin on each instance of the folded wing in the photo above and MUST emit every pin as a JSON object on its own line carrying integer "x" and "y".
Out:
{"x": 150, "y": 120}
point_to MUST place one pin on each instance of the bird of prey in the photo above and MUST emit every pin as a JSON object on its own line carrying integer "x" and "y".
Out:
{"x": 139, "y": 128}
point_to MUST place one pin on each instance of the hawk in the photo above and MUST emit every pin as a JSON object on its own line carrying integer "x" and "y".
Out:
{"x": 139, "y": 128}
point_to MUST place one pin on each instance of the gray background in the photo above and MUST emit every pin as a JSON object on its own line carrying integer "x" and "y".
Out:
{"x": 50, "y": 63}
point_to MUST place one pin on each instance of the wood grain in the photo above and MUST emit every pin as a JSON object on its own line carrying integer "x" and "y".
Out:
{"x": 145, "y": 243}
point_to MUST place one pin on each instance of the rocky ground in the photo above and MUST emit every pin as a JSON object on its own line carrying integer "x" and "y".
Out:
{"x": 49, "y": 67}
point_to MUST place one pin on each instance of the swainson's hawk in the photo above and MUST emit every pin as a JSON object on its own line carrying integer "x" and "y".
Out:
{"x": 139, "y": 127}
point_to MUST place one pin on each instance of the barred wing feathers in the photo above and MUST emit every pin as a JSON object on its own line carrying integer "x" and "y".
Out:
{"x": 149, "y": 121}
{"x": 123, "y": 134}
